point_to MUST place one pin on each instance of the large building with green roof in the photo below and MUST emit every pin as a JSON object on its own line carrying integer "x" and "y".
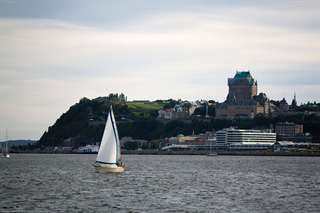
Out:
{"x": 242, "y": 99}
{"x": 242, "y": 87}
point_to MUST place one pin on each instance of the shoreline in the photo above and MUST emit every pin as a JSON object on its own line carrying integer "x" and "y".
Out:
{"x": 193, "y": 152}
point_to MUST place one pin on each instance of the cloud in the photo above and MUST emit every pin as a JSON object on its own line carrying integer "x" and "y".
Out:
{"x": 35, "y": 44}
{"x": 47, "y": 65}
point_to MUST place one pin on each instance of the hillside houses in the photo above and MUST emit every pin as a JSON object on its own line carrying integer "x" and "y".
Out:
{"x": 181, "y": 110}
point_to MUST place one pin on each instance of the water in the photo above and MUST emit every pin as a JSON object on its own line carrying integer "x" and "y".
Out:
{"x": 69, "y": 183}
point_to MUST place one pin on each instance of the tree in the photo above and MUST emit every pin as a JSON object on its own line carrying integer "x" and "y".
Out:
{"x": 131, "y": 145}
{"x": 261, "y": 98}
{"x": 170, "y": 104}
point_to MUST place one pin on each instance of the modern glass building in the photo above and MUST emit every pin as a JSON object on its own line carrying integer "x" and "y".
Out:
{"x": 233, "y": 136}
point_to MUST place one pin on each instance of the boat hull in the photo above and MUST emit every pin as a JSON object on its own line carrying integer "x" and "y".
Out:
{"x": 109, "y": 168}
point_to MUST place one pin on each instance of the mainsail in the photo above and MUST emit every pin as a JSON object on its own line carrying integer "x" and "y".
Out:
{"x": 116, "y": 135}
{"x": 109, "y": 151}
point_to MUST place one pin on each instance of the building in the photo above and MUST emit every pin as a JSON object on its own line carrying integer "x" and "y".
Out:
{"x": 183, "y": 110}
{"x": 288, "y": 131}
{"x": 89, "y": 149}
{"x": 202, "y": 138}
{"x": 283, "y": 105}
{"x": 242, "y": 100}
{"x": 242, "y": 88}
{"x": 129, "y": 142}
{"x": 166, "y": 114}
{"x": 240, "y": 137}
{"x": 202, "y": 141}
{"x": 192, "y": 108}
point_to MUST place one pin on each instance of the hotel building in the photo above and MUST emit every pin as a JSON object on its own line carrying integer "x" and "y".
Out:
{"x": 242, "y": 100}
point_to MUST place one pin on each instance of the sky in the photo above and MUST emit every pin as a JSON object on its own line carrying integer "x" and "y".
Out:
{"x": 53, "y": 53}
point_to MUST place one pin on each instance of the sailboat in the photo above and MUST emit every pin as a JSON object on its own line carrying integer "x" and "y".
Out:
{"x": 109, "y": 156}
{"x": 211, "y": 152}
{"x": 5, "y": 147}
{"x": 6, "y": 150}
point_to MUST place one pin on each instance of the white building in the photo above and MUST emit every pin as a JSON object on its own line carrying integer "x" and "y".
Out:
{"x": 242, "y": 137}
{"x": 166, "y": 114}
{"x": 89, "y": 149}
{"x": 182, "y": 110}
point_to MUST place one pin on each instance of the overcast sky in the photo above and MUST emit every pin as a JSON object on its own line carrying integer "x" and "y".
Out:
{"x": 52, "y": 53}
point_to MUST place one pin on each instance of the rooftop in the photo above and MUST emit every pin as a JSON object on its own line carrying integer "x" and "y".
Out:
{"x": 242, "y": 76}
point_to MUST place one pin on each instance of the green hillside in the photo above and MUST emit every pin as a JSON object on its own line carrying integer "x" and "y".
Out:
{"x": 144, "y": 109}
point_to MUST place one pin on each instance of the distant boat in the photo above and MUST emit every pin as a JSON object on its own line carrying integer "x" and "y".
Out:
{"x": 109, "y": 156}
{"x": 211, "y": 153}
{"x": 5, "y": 149}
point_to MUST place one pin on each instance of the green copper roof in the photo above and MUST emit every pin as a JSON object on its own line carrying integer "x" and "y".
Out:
{"x": 243, "y": 74}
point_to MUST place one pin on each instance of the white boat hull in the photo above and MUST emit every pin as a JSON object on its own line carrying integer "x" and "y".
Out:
{"x": 108, "y": 168}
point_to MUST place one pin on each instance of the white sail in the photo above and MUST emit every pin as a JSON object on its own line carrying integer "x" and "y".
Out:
{"x": 108, "y": 151}
{"x": 116, "y": 135}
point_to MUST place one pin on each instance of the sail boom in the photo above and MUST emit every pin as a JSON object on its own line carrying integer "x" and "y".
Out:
{"x": 105, "y": 162}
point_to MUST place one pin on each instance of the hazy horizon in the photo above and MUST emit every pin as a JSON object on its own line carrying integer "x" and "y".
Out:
{"x": 53, "y": 53}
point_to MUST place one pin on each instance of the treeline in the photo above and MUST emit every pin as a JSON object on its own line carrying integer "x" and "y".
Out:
{"x": 84, "y": 122}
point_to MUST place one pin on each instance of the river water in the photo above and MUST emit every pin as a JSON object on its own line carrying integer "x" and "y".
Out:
{"x": 152, "y": 183}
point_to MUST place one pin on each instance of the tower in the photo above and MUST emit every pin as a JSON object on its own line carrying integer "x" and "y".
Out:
{"x": 242, "y": 88}
{"x": 242, "y": 100}
{"x": 294, "y": 101}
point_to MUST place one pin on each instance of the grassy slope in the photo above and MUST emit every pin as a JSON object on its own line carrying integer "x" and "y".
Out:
{"x": 144, "y": 109}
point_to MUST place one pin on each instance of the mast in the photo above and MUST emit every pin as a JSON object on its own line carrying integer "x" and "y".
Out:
{"x": 5, "y": 145}
{"x": 116, "y": 135}
{"x": 7, "y": 141}
{"x": 2, "y": 144}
